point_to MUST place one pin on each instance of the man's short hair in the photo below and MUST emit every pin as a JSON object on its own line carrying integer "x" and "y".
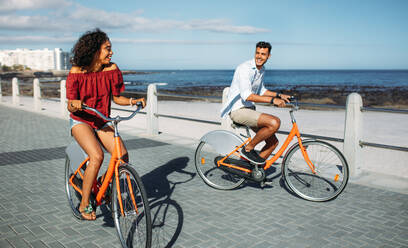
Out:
{"x": 264, "y": 44}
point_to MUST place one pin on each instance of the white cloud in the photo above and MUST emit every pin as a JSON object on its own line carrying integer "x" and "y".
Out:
{"x": 13, "y": 5}
{"x": 15, "y": 22}
{"x": 30, "y": 39}
{"x": 222, "y": 26}
{"x": 178, "y": 42}
{"x": 69, "y": 19}
{"x": 39, "y": 39}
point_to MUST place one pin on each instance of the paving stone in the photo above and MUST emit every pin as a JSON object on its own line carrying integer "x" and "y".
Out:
{"x": 38, "y": 244}
{"x": 18, "y": 241}
{"x": 186, "y": 212}
{"x": 4, "y": 243}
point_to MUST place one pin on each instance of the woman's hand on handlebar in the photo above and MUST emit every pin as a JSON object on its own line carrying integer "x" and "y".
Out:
{"x": 74, "y": 105}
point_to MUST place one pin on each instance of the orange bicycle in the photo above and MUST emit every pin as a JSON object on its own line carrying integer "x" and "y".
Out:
{"x": 314, "y": 170}
{"x": 121, "y": 187}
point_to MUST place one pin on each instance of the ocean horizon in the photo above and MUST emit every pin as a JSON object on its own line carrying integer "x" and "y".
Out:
{"x": 274, "y": 78}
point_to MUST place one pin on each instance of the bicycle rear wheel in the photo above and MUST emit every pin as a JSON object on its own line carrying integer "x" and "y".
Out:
{"x": 74, "y": 197}
{"x": 134, "y": 226}
{"x": 331, "y": 169}
{"x": 206, "y": 164}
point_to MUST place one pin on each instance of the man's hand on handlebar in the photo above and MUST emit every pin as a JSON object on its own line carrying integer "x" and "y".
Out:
{"x": 281, "y": 99}
{"x": 139, "y": 101}
{"x": 279, "y": 102}
{"x": 286, "y": 98}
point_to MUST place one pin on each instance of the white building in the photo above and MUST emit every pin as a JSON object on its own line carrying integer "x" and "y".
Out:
{"x": 43, "y": 60}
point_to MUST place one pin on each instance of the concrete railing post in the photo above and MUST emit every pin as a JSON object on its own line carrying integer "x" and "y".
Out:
{"x": 37, "y": 94}
{"x": 226, "y": 122}
{"x": 353, "y": 133}
{"x": 15, "y": 91}
{"x": 63, "y": 100}
{"x": 1, "y": 93}
{"x": 152, "y": 118}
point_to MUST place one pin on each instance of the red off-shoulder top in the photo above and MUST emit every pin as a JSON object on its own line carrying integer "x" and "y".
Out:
{"x": 95, "y": 89}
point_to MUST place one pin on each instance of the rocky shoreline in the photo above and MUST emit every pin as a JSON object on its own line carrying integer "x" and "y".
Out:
{"x": 373, "y": 96}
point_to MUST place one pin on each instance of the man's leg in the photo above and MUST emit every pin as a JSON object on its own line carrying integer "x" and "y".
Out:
{"x": 268, "y": 125}
{"x": 271, "y": 144}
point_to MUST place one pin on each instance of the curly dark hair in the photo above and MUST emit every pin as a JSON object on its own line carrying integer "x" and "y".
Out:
{"x": 86, "y": 47}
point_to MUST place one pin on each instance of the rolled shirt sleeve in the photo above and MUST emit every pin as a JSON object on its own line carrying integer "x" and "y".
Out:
{"x": 263, "y": 89}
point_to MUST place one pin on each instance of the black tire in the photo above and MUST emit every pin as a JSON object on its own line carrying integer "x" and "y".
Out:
{"x": 330, "y": 179}
{"x": 214, "y": 176}
{"x": 135, "y": 227}
{"x": 74, "y": 197}
{"x": 167, "y": 224}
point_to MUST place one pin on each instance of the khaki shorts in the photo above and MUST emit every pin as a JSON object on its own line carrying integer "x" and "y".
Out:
{"x": 246, "y": 116}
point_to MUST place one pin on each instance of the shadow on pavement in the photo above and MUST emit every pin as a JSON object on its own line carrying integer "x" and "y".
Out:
{"x": 167, "y": 214}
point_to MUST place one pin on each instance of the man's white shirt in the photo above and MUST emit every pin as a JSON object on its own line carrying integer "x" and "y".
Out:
{"x": 247, "y": 80}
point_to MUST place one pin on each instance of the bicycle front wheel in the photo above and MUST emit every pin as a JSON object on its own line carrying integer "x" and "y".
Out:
{"x": 206, "y": 164}
{"x": 133, "y": 221}
{"x": 330, "y": 174}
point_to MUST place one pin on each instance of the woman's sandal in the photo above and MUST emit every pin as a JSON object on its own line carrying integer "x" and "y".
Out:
{"x": 90, "y": 214}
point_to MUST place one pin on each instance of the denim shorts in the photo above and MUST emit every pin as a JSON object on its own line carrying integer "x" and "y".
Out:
{"x": 73, "y": 122}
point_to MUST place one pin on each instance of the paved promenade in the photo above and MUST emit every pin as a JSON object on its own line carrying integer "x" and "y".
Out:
{"x": 186, "y": 212}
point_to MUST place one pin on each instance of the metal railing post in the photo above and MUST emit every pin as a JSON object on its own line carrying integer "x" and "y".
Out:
{"x": 353, "y": 133}
{"x": 226, "y": 121}
{"x": 151, "y": 110}
{"x": 15, "y": 91}
{"x": 63, "y": 100}
{"x": 37, "y": 94}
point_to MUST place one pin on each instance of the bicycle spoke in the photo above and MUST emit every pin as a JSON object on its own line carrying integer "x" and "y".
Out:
{"x": 134, "y": 226}
{"x": 206, "y": 164}
{"x": 329, "y": 179}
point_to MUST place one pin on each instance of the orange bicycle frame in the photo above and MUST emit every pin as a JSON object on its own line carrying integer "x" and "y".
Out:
{"x": 114, "y": 164}
{"x": 293, "y": 132}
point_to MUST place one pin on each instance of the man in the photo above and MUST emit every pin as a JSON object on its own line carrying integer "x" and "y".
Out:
{"x": 247, "y": 88}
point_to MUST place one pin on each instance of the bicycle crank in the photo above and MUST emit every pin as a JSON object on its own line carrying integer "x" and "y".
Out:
{"x": 256, "y": 175}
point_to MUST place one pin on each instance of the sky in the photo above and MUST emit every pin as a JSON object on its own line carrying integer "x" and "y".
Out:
{"x": 219, "y": 34}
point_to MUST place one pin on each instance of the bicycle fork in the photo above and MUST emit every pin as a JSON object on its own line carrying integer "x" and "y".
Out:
{"x": 117, "y": 154}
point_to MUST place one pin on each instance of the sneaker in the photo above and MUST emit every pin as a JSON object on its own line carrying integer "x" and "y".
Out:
{"x": 252, "y": 156}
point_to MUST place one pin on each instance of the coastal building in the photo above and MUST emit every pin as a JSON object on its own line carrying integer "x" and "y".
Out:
{"x": 43, "y": 60}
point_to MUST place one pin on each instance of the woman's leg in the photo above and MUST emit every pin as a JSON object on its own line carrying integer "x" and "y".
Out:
{"x": 85, "y": 136}
{"x": 106, "y": 136}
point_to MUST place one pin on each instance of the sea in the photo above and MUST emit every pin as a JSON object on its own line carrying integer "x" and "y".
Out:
{"x": 185, "y": 80}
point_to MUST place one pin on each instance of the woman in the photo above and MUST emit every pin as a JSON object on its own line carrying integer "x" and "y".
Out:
{"x": 94, "y": 81}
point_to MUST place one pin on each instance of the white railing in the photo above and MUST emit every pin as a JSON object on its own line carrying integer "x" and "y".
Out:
{"x": 353, "y": 133}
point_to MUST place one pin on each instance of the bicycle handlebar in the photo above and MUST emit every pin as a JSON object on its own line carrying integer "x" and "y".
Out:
{"x": 117, "y": 118}
{"x": 293, "y": 103}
